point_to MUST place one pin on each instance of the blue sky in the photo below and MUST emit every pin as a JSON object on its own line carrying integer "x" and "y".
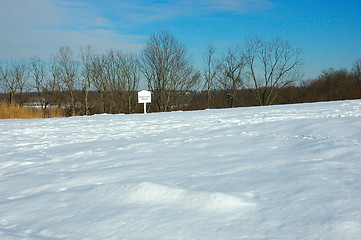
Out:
{"x": 328, "y": 32}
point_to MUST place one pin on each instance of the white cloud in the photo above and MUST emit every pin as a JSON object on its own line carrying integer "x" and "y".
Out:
{"x": 237, "y": 6}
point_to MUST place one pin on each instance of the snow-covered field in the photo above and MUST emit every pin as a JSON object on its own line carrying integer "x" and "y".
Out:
{"x": 279, "y": 172}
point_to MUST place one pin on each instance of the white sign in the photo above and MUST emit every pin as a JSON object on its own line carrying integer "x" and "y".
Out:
{"x": 144, "y": 96}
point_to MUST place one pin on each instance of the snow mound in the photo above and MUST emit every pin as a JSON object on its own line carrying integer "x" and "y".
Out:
{"x": 147, "y": 193}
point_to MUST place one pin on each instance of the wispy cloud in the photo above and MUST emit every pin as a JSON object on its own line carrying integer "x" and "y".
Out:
{"x": 40, "y": 27}
{"x": 145, "y": 11}
{"x": 239, "y": 6}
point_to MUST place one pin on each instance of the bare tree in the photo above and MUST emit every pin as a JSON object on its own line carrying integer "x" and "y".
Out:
{"x": 130, "y": 78}
{"x": 5, "y": 78}
{"x": 167, "y": 69}
{"x": 271, "y": 65}
{"x": 53, "y": 87}
{"x": 111, "y": 74}
{"x": 356, "y": 71}
{"x": 97, "y": 79}
{"x": 230, "y": 77}
{"x": 37, "y": 72}
{"x": 87, "y": 57}
{"x": 68, "y": 73}
{"x": 20, "y": 74}
{"x": 210, "y": 72}
{"x": 14, "y": 76}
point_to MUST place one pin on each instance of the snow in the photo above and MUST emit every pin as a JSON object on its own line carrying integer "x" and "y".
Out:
{"x": 278, "y": 172}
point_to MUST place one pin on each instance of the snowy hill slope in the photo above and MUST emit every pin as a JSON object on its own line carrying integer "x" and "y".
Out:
{"x": 279, "y": 172}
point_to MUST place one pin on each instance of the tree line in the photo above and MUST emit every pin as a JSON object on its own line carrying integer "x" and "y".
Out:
{"x": 257, "y": 72}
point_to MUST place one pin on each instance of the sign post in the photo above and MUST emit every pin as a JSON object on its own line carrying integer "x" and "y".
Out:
{"x": 145, "y": 97}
